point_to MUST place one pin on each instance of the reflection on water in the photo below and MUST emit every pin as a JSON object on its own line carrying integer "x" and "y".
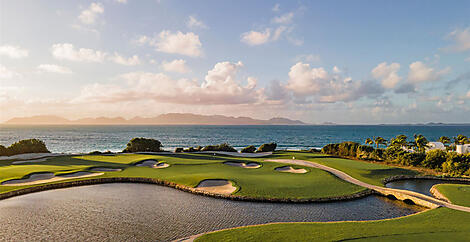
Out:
{"x": 419, "y": 185}
{"x": 150, "y": 212}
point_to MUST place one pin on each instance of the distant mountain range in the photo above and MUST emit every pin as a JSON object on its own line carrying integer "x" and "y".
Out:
{"x": 163, "y": 119}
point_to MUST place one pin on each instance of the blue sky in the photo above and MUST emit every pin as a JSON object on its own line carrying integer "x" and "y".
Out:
{"x": 318, "y": 61}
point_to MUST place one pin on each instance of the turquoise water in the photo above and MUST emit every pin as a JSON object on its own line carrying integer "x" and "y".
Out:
{"x": 114, "y": 138}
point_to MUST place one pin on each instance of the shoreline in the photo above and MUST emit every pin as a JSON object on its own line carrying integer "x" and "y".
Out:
{"x": 425, "y": 177}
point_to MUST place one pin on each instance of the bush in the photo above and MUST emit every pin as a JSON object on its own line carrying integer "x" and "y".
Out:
{"x": 379, "y": 154}
{"x": 27, "y": 146}
{"x": 456, "y": 164}
{"x": 248, "y": 149}
{"x": 179, "y": 150}
{"x": 434, "y": 159}
{"x": 413, "y": 159}
{"x": 392, "y": 153}
{"x": 143, "y": 145}
{"x": 198, "y": 148}
{"x": 222, "y": 147}
{"x": 331, "y": 149}
{"x": 4, "y": 150}
{"x": 365, "y": 152}
{"x": 190, "y": 149}
{"x": 314, "y": 150}
{"x": 348, "y": 148}
{"x": 267, "y": 147}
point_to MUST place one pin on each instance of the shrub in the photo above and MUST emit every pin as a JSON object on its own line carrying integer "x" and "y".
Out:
{"x": 198, "y": 148}
{"x": 27, "y": 146}
{"x": 331, "y": 149}
{"x": 222, "y": 147}
{"x": 269, "y": 147}
{"x": 413, "y": 159}
{"x": 365, "y": 152}
{"x": 348, "y": 148}
{"x": 379, "y": 154}
{"x": 179, "y": 150}
{"x": 190, "y": 149}
{"x": 434, "y": 159}
{"x": 143, "y": 145}
{"x": 392, "y": 153}
{"x": 4, "y": 150}
{"x": 314, "y": 150}
{"x": 248, "y": 149}
{"x": 456, "y": 164}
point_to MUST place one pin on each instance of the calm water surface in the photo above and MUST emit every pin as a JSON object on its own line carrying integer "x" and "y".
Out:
{"x": 115, "y": 138}
{"x": 420, "y": 185}
{"x": 156, "y": 213}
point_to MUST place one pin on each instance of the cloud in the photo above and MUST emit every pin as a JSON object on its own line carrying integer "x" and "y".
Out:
{"x": 387, "y": 74}
{"x": 174, "y": 43}
{"x": 276, "y": 7}
{"x": 178, "y": 66}
{"x": 256, "y": 37}
{"x": 90, "y": 15}
{"x": 308, "y": 58}
{"x": 420, "y": 72}
{"x": 66, "y": 51}
{"x": 306, "y": 82}
{"x": 406, "y": 88}
{"x": 219, "y": 87}
{"x": 53, "y": 68}
{"x": 131, "y": 61}
{"x": 461, "y": 38}
{"x": 193, "y": 22}
{"x": 283, "y": 19}
{"x": 276, "y": 91}
{"x": 14, "y": 52}
{"x": 6, "y": 73}
{"x": 454, "y": 83}
{"x": 122, "y": 1}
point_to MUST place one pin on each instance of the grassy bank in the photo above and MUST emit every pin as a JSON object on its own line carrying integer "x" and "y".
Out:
{"x": 457, "y": 193}
{"x": 190, "y": 169}
{"x": 441, "y": 224}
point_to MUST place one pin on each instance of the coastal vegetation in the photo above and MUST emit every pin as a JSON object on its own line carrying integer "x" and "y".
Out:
{"x": 143, "y": 145}
{"x": 249, "y": 149}
{"x": 221, "y": 147}
{"x": 24, "y": 147}
{"x": 400, "y": 151}
{"x": 269, "y": 147}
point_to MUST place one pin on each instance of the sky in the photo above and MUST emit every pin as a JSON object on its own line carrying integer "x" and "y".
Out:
{"x": 349, "y": 62}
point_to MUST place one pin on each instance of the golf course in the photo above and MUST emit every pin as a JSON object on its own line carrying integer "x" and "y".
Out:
{"x": 256, "y": 178}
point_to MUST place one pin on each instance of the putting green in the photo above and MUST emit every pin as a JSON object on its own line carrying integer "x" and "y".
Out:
{"x": 457, "y": 193}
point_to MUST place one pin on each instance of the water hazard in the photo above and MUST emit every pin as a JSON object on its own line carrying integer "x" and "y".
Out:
{"x": 150, "y": 212}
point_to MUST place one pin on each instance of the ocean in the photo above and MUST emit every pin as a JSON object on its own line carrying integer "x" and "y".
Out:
{"x": 78, "y": 139}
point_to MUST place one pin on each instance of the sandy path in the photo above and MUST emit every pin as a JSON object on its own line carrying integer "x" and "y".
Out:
{"x": 290, "y": 169}
{"x": 217, "y": 186}
{"x": 41, "y": 178}
{"x": 352, "y": 180}
{"x": 104, "y": 169}
{"x": 249, "y": 165}
{"x": 29, "y": 161}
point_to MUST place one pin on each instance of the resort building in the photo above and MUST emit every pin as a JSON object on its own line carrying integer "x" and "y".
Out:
{"x": 435, "y": 146}
{"x": 462, "y": 149}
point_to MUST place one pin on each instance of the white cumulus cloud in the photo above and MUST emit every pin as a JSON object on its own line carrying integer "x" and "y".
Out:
{"x": 284, "y": 19}
{"x": 387, "y": 74}
{"x": 256, "y": 37}
{"x": 90, "y": 15}
{"x": 14, "y": 52}
{"x": 178, "y": 66}
{"x": 6, "y": 73}
{"x": 66, "y": 51}
{"x": 461, "y": 38}
{"x": 175, "y": 43}
{"x": 131, "y": 61}
{"x": 54, "y": 69}
{"x": 420, "y": 72}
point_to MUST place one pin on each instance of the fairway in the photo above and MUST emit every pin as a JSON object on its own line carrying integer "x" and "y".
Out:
{"x": 457, "y": 193}
{"x": 190, "y": 169}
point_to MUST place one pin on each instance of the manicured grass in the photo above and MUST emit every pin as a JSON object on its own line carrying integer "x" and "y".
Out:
{"x": 190, "y": 169}
{"x": 371, "y": 173}
{"x": 457, "y": 193}
{"x": 441, "y": 224}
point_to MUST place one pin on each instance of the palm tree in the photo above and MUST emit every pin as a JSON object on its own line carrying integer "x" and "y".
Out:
{"x": 369, "y": 141}
{"x": 400, "y": 140}
{"x": 461, "y": 139}
{"x": 421, "y": 142}
{"x": 379, "y": 141}
{"x": 445, "y": 140}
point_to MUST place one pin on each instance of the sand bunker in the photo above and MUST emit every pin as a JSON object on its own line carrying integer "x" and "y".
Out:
{"x": 152, "y": 164}
{"x": 290, "y": 169}
{"x": 243, "y": 164}
{"x": 46, "y": 177}
{"x": 217, "y": 186}
{"x": 104, "y": 169}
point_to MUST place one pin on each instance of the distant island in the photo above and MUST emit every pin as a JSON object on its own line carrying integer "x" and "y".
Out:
{"x": 163, "y": 119}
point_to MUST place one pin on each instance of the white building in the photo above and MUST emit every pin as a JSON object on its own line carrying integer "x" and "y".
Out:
{"x": 435, "y": 146}
{"x": 462, "y": 149}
